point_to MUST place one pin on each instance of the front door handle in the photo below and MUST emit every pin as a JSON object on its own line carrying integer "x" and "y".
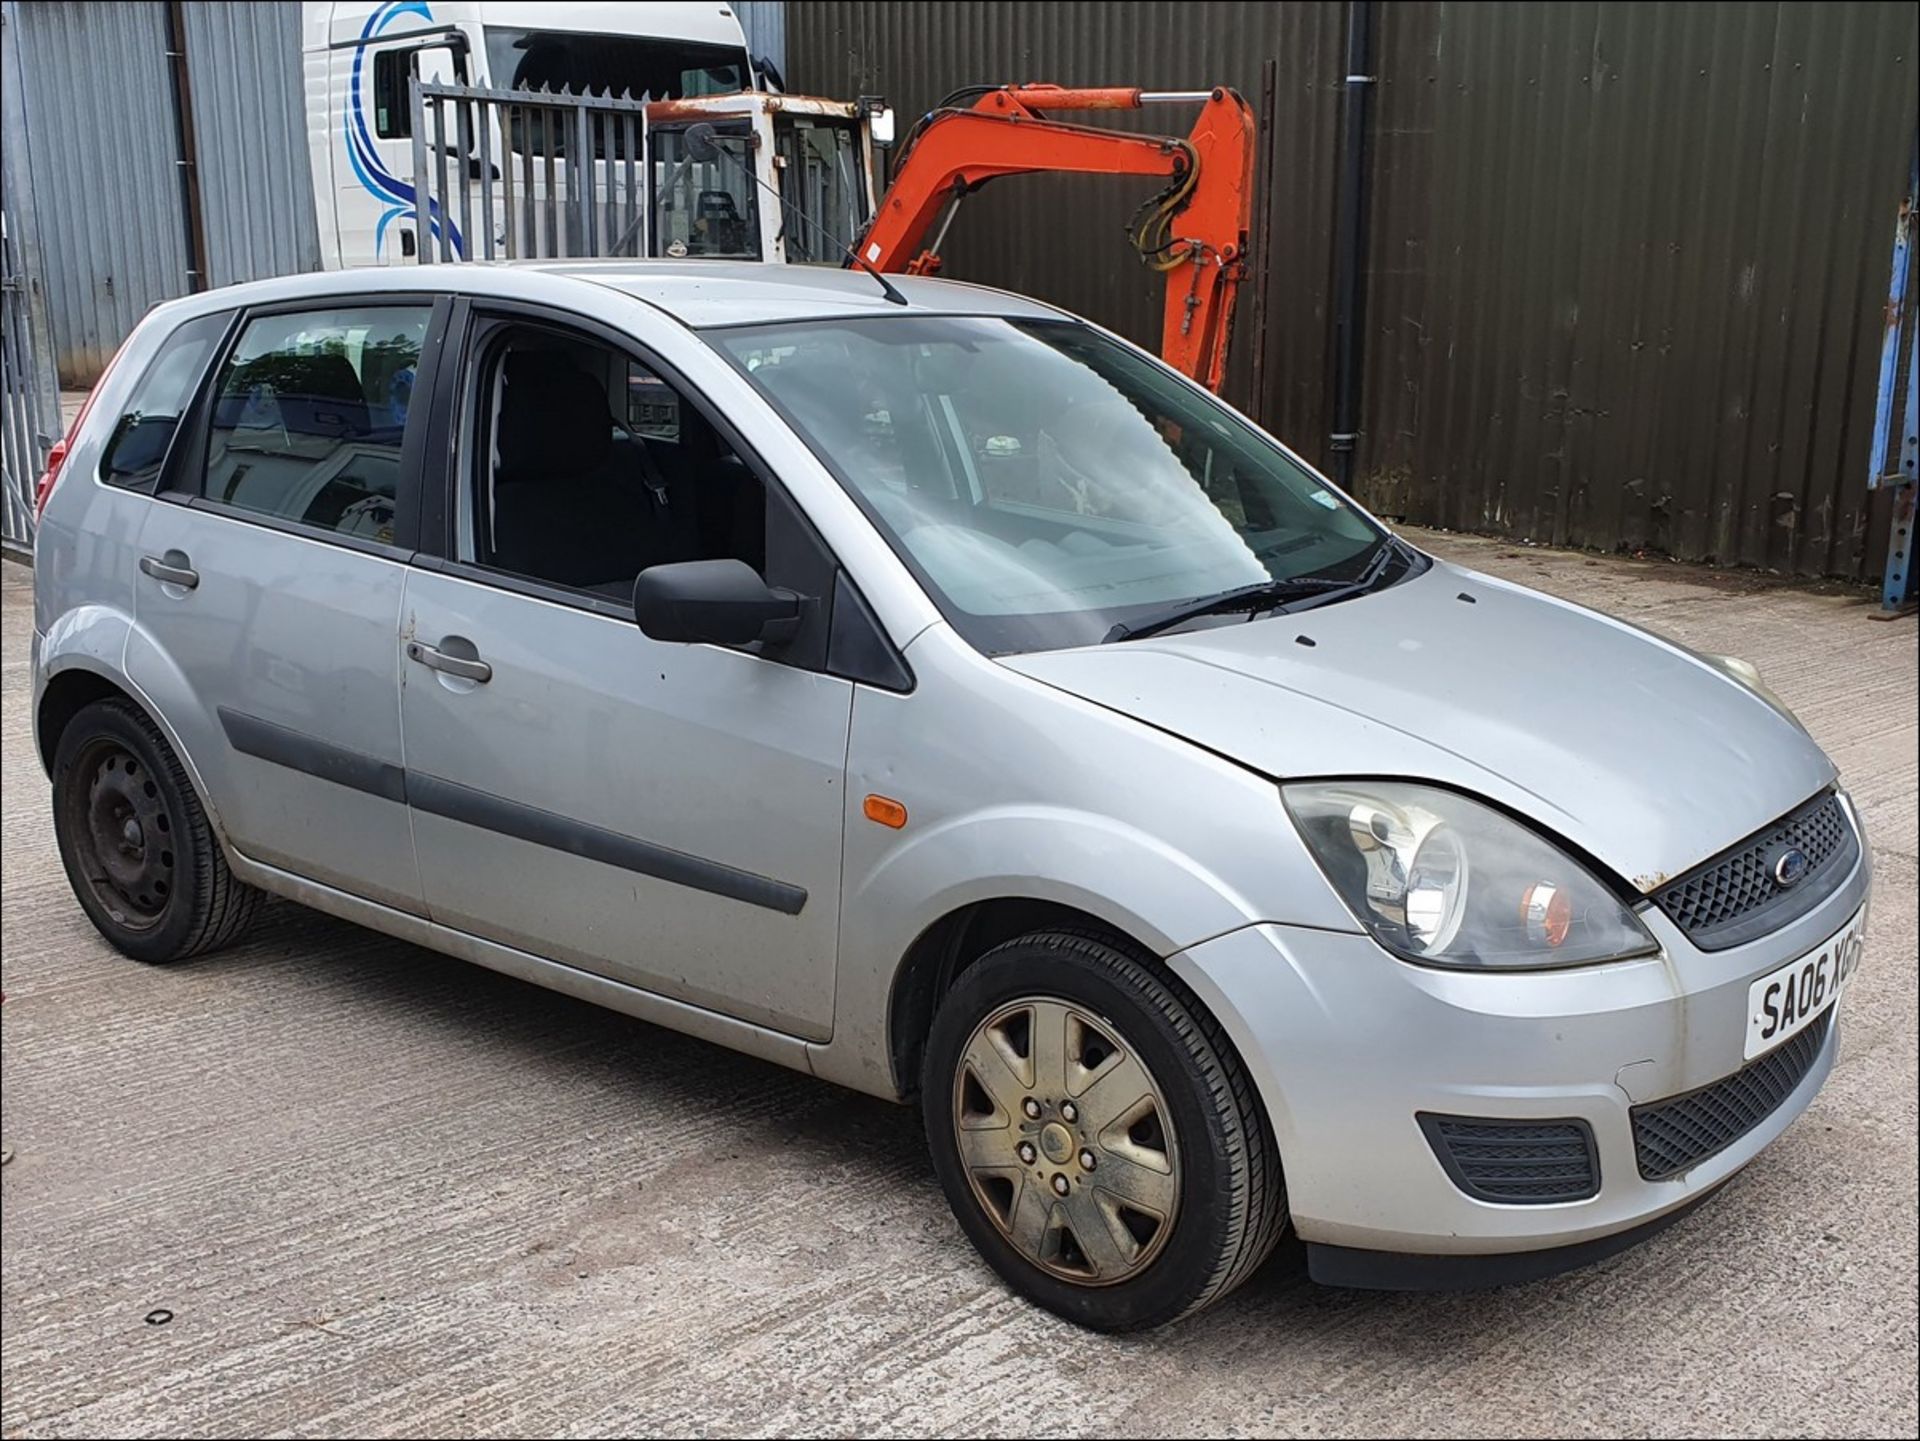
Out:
{"x": 474, "y": 670}
{"x": 171, "y": 569}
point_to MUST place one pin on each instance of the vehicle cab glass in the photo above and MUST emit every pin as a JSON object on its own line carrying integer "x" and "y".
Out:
{"x": 822, "y": 180}
{"x": 636, "y": 65}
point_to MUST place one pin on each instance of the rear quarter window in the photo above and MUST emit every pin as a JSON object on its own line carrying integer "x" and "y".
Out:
{"x": 136, "y": 452}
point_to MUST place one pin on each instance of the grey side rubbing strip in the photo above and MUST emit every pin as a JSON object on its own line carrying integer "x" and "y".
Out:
{"x": 269, "y": 742}
{"x": 544, "y": 828}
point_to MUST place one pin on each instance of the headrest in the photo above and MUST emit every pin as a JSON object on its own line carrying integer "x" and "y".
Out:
{"x": 309, "y": 394}
{"x": 554, "y": 419}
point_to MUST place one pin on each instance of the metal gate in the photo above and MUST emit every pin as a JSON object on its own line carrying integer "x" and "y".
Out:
{"x": 28, "y": 398}
{"x": 525, "y": 174}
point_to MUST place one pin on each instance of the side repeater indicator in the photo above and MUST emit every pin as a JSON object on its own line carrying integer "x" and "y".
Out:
{"x": 886, "y": 810}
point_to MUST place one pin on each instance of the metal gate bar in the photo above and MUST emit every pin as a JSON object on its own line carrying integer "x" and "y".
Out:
{"x": 572, "y": 170}
{"x": 571, "y": 173}
{"x": 25, "y": 388}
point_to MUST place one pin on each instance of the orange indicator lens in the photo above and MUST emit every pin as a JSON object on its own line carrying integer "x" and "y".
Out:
{"x": 1547, "y": 912}
{"x": 887, "y": 811}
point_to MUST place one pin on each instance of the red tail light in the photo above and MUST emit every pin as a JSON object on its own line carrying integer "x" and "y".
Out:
{"x": 57, "y": 457}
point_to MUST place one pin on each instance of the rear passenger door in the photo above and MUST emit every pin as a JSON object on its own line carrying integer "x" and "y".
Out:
{"x": 668, "y": 816}
{"x": 271, "y": 577}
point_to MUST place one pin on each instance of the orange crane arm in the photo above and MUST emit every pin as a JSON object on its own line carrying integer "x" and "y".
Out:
{"x": 1195, "y": 230}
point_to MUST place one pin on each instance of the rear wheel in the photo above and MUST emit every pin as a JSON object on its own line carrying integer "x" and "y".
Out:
{"x": 138, "y": 849}
{"x": 1095, "y": 1135}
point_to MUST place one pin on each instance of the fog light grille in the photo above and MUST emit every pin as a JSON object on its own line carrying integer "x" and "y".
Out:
{"x": 1517, "y": 1163}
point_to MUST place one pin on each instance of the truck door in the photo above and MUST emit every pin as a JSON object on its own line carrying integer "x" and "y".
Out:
{"x": 373, "y": 57}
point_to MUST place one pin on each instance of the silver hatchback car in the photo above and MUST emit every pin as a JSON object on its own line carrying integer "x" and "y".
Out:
{"x": 951, "y": 701}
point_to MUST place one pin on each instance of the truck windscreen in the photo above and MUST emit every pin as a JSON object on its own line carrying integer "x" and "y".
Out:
{"x": 655, "y": 66}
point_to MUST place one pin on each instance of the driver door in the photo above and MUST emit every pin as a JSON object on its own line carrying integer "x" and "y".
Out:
{"x": 665, "y": 815}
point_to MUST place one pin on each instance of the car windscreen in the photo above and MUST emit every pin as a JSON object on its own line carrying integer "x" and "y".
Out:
{"x": 1049, "y": 485}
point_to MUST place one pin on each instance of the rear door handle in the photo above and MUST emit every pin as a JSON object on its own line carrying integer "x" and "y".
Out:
{"x": 171, "y": 569}
{"x": 474, "y": 670}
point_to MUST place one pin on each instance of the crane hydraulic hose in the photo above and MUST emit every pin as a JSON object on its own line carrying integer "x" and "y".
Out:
{"x": 1149, "y": 229}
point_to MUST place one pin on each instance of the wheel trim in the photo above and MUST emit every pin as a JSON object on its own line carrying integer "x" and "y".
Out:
{"x": 1043, "y": 1088}
{"x": 124, "y": 835}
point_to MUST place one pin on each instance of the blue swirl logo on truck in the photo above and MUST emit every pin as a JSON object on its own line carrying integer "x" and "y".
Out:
{"x": 395, "y": 194}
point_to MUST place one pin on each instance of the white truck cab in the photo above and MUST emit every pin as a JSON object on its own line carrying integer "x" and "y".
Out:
{"x": 690, "y": 59}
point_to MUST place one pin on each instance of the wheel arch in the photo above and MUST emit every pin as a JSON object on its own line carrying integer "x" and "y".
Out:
{"x": 943, "y": 951}
{"x": 946, "y": 948}
{"x": 77, "y": 678}
{"x": 64, "y": 697}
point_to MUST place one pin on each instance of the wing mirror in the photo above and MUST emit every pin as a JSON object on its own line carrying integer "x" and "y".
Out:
{"x": 879, "y": 119}
{"x": 722, "y": 602}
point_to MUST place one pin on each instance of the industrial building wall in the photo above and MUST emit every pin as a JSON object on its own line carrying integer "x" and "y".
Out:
{"x": 249, "y": 122}
{"x": 102, "y": 147}
{"x": 1627, "y": 262}
{"x": 765, "y": 24}
{"x": 101, "y": 152}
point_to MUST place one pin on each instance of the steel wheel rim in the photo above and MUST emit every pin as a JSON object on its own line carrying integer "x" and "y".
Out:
{"x": 1067, "y": 1141}
{"x": 123, "y": 835}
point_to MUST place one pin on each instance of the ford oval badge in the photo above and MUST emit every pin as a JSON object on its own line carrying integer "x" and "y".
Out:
{"x": 1790, "y": 867}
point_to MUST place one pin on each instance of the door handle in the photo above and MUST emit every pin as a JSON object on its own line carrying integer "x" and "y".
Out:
{"x": 171, "y": 569}
{"x": 474, "y": 670}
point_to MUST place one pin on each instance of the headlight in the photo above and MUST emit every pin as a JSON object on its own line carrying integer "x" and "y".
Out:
{"x": 1447, "y": 881}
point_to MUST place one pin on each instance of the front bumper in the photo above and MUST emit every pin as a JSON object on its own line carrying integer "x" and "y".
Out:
{"x": 1348, "y": 1044}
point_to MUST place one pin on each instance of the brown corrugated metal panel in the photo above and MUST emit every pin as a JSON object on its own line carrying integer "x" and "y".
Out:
{"x": 1627, "y": 261}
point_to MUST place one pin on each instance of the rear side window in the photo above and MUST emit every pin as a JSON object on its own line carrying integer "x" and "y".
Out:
{"x": 309, "y": 413}
{"x": 136, "y": 452}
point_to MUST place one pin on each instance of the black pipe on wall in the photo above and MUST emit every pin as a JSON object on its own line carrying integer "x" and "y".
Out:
{"x": 1350, "y": 241}
{"x": 195, "y": 217}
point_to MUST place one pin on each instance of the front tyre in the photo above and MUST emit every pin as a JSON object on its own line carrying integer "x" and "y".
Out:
{"x": 1096, "y": 1136}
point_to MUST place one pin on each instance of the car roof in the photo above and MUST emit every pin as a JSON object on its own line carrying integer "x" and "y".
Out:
{"x": 721, "y": 292}
{"x": 698, "y": 293}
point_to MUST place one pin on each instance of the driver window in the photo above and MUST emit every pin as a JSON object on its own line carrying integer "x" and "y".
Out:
{"x": 592, "y": 468}
{"x": 393, "y": 68}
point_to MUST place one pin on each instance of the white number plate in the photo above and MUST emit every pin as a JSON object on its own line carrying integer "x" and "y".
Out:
{"x": 1790, "y": 999}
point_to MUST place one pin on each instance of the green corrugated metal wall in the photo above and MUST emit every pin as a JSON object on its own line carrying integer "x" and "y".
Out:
{"x": 1627, "y": 261}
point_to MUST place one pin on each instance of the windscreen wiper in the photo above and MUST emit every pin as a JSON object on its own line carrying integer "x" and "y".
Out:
{"x": 1265, "y": 595}
{"x": 1369, "y": 579}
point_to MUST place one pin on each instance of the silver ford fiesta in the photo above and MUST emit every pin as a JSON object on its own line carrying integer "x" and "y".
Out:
{"x": 949, "y": 700}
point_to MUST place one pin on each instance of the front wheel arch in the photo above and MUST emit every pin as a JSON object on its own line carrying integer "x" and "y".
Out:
{"x": 944, "y": 950}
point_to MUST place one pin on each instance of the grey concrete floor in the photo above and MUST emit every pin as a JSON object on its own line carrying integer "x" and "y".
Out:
{"x": 386, "y": 1193}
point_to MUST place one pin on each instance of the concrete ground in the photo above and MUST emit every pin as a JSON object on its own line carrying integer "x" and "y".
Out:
{"x": 382, "y": 1192}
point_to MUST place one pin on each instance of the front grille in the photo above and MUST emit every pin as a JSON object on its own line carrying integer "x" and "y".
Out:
{"x": 1733, "y": 898}
{"x": 1525, "y": 1163}
{"x": 1680, "y": 1132}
